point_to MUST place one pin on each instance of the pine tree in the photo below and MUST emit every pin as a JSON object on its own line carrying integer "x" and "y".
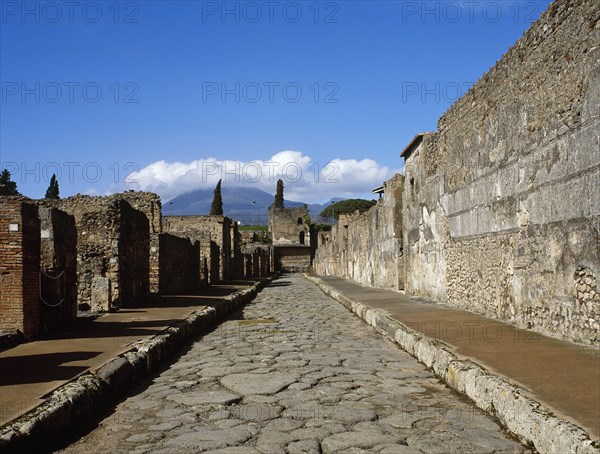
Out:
{"x": 53, "y": 191}
{"x": 7, "y": 187}
{"x": 217, "y": 203}
{"x": 279, "y": 195}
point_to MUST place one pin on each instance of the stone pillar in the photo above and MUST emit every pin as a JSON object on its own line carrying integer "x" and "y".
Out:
{"x": 19, "y": 267}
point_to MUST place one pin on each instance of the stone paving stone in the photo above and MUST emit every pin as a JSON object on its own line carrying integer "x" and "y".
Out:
{"x": 295, "y": 372}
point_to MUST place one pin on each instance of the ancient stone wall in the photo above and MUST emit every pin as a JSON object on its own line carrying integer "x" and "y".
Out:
{"x": 214, "y": 235}
{"x": 180, "y": 264}
{"x": 257, "y": 263}
{"x": 58, "y": 261}
{"x": 252, "y": 241}
{"x": 423, "y": 226}
{"x": 98, "y": 256}
{"x": 19, "y": 267}
{"x": 113, "y": 247}
{"x": 292, "y": 258}
{"x": 501, "y": 207}
{"x": 154, "y": 263}
{"x": 367, "y": 247}
{"x": 289, "y": 226}
{"x": 148, "y": 203}
{"x": 134, "y": 254}
{"x": 254, "y": 238}
{"x": 235, "y": 260}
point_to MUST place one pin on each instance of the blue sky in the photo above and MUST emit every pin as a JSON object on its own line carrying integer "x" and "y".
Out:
{"x": 325, "y": 94}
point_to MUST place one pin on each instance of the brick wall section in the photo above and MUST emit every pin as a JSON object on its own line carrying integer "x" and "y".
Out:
{"x": 180, "y": 264}
{"x": 58, "y": 259}
{"x": 19, "y": 267}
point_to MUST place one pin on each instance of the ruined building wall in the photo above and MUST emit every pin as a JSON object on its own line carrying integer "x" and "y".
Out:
{"x": 292, "y": 259}
{"x": 58, "y": 261}
{"x": 154, "y": 263}
{"x": 331, "y": 252}
{"x": 288, "y": 226}
{"x": 180, "y": 264}
{"x": 98, "y": 257}
{"x": 215, "y": 238}
{"x": 367, "y": 247}
{"x": 291, "y": 238}
{"x": 113, "y": 247}
{"x": 19, "y": 267}
{"x": 501, "y": 206}
{"x": 257, "y": 263}
{"x": 425, "y": 227}
{"x": 235, "y": 260}
{"x": 134, "y": 255}
{"x": 148, "y": 203}
{"x": 254, "y": 238}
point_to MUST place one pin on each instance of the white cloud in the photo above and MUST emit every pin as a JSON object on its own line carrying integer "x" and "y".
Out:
{"x": 304, "y": 178}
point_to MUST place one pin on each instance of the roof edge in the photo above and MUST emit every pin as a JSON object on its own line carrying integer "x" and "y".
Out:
{"x": 414, "y": 143}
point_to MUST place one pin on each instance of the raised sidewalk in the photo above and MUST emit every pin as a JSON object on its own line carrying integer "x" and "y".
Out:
{"x": 545, "y": 391}
{"x": 48, "y": 385}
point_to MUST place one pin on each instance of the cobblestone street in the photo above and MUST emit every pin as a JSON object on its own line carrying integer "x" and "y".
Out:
{"x": 295, "y": 372}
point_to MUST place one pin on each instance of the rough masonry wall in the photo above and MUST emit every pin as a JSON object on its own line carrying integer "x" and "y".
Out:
{"x": 58, "y": 261}
{"x": 254, "y": 238}
{"x": 501, "y": 205}
{"x": 289, "y": 226}
{"x": 98, "y": 257}
{"x": 425, "y": 228}
{"x": 19, "y": 267}
{"x": 213, "y": 233}
{"x": 180, "y": 264}
{"x": 236, "y": 264}
{"x": 134, "y": 255}
{"x": 292, "y": 259}
{"x": 367, "y": 247}
{"x": 148, "y": 203}
{"x": 112, "y": 248}
{"x": 257, "y": 263}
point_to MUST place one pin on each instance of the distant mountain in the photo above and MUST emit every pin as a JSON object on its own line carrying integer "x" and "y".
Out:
{"x": 237, "y": 204}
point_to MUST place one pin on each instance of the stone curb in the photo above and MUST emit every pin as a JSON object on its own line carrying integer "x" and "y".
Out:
{"x": 84, "y": 396}
{"x": 533, "y": 424}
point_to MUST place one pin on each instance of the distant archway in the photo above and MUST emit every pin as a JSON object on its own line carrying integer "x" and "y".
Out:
{"x": 301, "y": 237}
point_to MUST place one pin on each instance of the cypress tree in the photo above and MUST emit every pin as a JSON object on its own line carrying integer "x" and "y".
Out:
{"x": 7, "y": 186}
{"x": 279, "y": 195}
{"x": 53, "y": 191}
{"x": 217, "y": 203}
